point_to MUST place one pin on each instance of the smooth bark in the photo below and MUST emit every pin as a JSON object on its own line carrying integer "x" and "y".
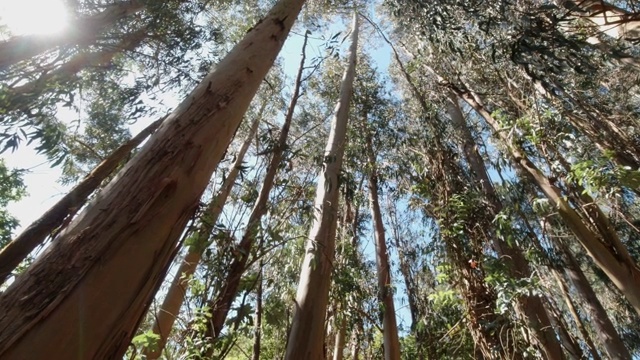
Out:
{"x": 307, "y": 329}
{"x": 35, "y": 234}
{"x": 564, "y": 290}
{"x": 568, "y": 341}
{"x": 221, "y": 304}
{"x": 599, "y": 319}
{"x": 338, "y": 347}
{"x": 98, "y": 279}
{"x": 168, "y": 312}
{"x": 383, "y": 269}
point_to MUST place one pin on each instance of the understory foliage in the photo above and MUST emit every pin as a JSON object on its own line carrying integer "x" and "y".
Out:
{"x": 502, "y": 139}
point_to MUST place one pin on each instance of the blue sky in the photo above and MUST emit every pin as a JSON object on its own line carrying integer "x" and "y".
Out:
{"x": 41, "y": 180}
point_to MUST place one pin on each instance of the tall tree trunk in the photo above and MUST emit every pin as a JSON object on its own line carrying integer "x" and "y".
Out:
{"x": 36, "y": 233}
{"x": 568, "y": 341}
{"x": 517, "y": 264}
{"x": 168, "y": 312}
{"x": 307, "y": 330}
{"x": 604, "y": 329}
{"x": 383, "y": 269}
{"x": 83, "y": 31}
{"x": 221, "y": 305}
{"x": 257, "y": 326}
{"x": 564, "y": 290}
{"x": 625, "y": 275}
{"x": 338, "y": 348}
{"x": 98, "y": 279}
{"x": 405, "y": 270}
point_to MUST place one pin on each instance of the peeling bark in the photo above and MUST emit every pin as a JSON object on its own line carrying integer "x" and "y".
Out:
{"x": 98, "y": 279}
{"x": 36, "y": 233}
{"x": 168, "y": 312}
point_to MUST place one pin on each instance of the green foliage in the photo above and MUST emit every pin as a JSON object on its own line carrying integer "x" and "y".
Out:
{"x": 12, "y": 189}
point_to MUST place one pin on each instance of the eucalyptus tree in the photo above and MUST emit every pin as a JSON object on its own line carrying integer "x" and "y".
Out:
{"x": 123, "y": 242}
{"x": 567, "y": 76}
{"x": 53, "y": 220}
{"x": 104, "y": 47}
{"x": 605, "y": 332}
{"x": 372, "y": 140}
{"x": 307, "y": 329}
{"x": 83, "y": 29}
{"x": 172, "y": 303}
{"x": 222, "y": 302}
{"x": 517, "y": 265}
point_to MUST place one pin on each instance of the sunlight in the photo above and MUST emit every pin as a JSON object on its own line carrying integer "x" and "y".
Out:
{"x": 38, "y": 17}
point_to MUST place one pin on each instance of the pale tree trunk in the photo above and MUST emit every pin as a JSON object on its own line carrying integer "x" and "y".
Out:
{"x": 564, "y": 290}
{"x": 518, "y": 265}
{"x": 82, "y": 31}
{"x": 257, "y": 331}
{"x": 307, "y": 329}
{"x": 98, "y": 279}
{"x": 608, "y": 18}
{"x": 338, "y": 348}
{"x": 405, "y": 270}
{"x": 36, "y": 233}
{"x": 625, "y": 275}
{"x": 168, "y": 312}
{"x": 355, "y": 346}
{"x": 221, "y": 305}
{"x": 604, "y": 329}
{"x": 568, "y": 341}
{"x": 385, "y": 287}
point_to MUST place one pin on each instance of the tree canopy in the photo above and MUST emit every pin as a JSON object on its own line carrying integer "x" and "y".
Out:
{"x": 292, "y": 180}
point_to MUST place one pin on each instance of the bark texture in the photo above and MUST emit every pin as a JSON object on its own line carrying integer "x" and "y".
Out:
{"x": 166, "y": 316}
{"x": 307, "y": 329}
{"x": 98, "y": 279}
{"x": 383, "y": 269}
{"x": 34, "y": 235}
{"x": 221, "y": 305}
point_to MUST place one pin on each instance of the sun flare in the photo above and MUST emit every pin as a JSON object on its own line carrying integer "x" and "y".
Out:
{"x": 38, "y": 17}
